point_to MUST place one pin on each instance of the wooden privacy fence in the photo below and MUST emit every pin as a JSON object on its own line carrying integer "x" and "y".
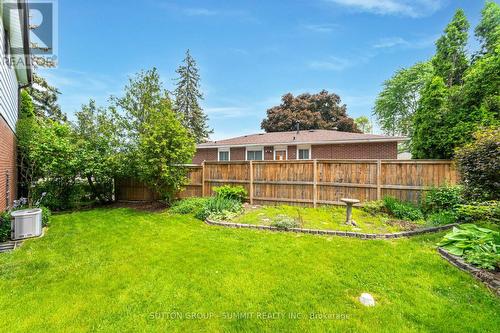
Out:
{"x": 313, "y": 182}
{"x": 132, "y": 190}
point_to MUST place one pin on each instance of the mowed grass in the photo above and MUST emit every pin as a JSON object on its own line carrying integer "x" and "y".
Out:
{"x": 127, "y": 271}
{"x": 328, "y": 217}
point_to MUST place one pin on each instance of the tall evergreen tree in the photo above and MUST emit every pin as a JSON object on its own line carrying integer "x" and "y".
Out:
{"x": 488, "y": 30}
{"x": 45, "y": 99}
{"x": 188, "y": 97}
{"x": 429, "y": 122}
{"x": 451, "y": 61}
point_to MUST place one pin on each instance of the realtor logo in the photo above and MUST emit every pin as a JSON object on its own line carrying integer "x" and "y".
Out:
{"x": 42, "y": 28}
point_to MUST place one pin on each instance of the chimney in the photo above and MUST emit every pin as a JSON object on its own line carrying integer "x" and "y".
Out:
{"x": 297, "y": 126}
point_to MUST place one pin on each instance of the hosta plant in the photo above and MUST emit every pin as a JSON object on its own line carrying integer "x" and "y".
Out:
{"x": 478, "y": 246}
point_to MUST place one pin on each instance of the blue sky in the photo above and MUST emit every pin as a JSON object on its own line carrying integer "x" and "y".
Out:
{"x": 249, "y": 52}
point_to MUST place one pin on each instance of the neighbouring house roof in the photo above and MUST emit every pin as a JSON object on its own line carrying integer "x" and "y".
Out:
{"x": 301, "y": 137}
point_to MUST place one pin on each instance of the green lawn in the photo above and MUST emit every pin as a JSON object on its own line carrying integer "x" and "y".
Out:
{"x": 129, "y": 271}
{"x": 330, "y": 218}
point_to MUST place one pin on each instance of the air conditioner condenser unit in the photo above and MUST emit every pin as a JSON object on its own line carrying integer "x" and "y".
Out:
{"x": 26, "y": 223}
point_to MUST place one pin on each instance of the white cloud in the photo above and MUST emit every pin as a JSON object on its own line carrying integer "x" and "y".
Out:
{"x": 332, "y": 64}
{"x": 228, "y": 112}
{"x": 411, "y": 8}
{"x": 200, "y": 12}
{"x": 338, "y": 64}
{"x": 320, "y": 28}
{"x": 391, "y": 42}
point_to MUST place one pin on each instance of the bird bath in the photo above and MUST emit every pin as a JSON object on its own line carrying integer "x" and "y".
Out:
{"x": 349, "y": 203}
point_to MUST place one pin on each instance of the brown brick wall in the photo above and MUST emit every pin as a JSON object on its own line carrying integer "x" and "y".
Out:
{"x": 238, "y": 154}
{"x": 7, "y": 164}
{"x": 292, "y": 153}
{"x": 375, "y": 150}
{"x": 208, "y": 154}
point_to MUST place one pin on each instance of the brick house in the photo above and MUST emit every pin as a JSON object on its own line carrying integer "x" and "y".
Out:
{"x": 304, "y": 144}
{"x": 14, "y": 75}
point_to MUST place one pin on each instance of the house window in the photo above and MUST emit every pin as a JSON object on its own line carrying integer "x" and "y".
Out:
{"x": 304, "y": 153}
{"x": 224, "y": 154}
{"x": 254, "y": 155}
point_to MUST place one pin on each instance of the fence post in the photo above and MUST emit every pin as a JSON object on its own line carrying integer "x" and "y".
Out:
{"x": 315, "y": 183}
{"x": 250, "y": 192}
{"x": 202, "y": 179}
{"x": 379, "y": 179}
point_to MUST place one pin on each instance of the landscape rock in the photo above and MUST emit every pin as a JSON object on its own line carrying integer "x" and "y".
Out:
{"x": 367, "y": 299}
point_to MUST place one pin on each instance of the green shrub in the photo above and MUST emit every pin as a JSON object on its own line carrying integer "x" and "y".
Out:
{"x": 46, "y": 215}
{"x": 218, "y": 205}
{"x": 442, "y": 218}
{"x": 63, "y": 195}
{"x": 402, "y": 210}
{"x": 285, "y": 222}
{"x": 225, "y": 215}
{"x": 4, "y": 227}
{"x": 374, "y": 207}
{"x": 478, "y": 246}
{"x": 444, "y": 198}
{"x": 485, "y": 211}
{"x": 188, "y": 206}
{"x": 479, "y": 165}
{"x": 231, "y": 192}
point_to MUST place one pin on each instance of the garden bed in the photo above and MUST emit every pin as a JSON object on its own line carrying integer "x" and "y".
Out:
{"x": 328, "y": 221}
{"x": 334, "y": 232}
{"x": 490, "y": 278}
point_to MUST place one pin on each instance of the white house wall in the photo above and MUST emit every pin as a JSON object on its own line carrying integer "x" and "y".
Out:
{"x": 8, "y": 86}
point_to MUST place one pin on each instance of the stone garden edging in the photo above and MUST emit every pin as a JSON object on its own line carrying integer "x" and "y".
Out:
{"x": 333, "y": 232}
{"x": 11, "y": 245}
{"x": 491, "y": 280}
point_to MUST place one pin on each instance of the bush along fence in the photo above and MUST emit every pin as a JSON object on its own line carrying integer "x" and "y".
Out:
{"x": 310, "y": 182}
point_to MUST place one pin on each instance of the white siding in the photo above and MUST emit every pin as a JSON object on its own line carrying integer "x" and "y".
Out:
{"x": 8, "y": 87}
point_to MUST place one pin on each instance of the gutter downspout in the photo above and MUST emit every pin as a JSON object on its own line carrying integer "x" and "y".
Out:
{"x": 23, "y": 10}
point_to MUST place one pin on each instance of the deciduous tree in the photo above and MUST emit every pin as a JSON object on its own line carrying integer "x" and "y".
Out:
{"x": 97, "y": 144}
{"x": 164, "y": 145}
{"x": 364, "y": 124}
{"x": 143, "y": 95}
{"x": 399, "y": 99}
{"x": 45, "y": 99}
{"x": 312, "y": 111}
{"x": 479, "y": 165}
